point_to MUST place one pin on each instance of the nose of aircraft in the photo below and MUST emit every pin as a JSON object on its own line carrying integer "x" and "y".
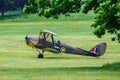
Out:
{"x": 30, "y": 41}
{"x": 25, "y": 38}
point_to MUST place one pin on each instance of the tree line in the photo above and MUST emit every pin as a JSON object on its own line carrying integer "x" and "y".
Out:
{"x": 7, "y": 5}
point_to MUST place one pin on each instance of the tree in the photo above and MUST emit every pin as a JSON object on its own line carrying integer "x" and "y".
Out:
{"x": 53, "y": 8}
{"x": 107, "y": 16}
{"x": 107, "y": 12}
{"x": 20, "y": 3}
{"x": 1, "y": 6}
{"x": 7, "y": 5}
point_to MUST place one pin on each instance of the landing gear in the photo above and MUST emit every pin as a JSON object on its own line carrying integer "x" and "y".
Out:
{"x": 40, "y": 55}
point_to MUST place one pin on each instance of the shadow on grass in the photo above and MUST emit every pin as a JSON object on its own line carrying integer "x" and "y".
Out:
{"x": 61, "y": 57}
{"x": 69, "y": 57}
{"x": 106, "y": 67}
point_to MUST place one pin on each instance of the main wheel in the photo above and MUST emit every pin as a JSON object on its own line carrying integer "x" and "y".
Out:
{"x": 40, "y": 55}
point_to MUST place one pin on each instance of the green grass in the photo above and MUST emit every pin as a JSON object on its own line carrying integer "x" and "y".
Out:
{"x": 19, "y": 62}
{"x": 19, "y": 16}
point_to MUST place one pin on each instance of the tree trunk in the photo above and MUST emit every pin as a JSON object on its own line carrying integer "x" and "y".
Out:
{"x": 2, "y": 13}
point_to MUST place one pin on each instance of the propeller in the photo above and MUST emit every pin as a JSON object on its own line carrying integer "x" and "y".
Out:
{"x": 26, "y": 37}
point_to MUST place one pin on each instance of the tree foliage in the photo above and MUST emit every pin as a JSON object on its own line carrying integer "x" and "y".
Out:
{"x": 107, "y": 12}
{"x": 53, "y": 8}
{"x": 107, "y": 16}
{"x": 7, "y": 5}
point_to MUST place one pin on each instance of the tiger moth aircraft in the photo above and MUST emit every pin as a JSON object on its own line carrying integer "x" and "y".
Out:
{"x": 46, "y": 42}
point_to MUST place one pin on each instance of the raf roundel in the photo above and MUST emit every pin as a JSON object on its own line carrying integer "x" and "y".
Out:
{"x": 63, "y": 49}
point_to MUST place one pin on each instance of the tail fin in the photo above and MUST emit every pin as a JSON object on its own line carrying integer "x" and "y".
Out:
{"x": 99, "y": 49}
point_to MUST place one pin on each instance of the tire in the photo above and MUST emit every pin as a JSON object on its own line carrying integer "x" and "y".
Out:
{"x": 40, "y": 55}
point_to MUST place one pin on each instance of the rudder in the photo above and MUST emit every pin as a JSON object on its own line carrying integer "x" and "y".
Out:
{"x": 99, "y": 49}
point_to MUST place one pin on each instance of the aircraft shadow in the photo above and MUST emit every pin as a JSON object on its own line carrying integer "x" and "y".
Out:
{"x": 106, "y": 67}
{"x": 69, "y": 57}
{"x": 61, "y": 58}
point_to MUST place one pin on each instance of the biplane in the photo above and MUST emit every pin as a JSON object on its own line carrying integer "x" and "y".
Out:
{"x": 46, "y": 42}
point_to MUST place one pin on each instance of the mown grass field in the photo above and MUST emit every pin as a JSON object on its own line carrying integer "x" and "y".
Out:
{"x": 19, "y": 62}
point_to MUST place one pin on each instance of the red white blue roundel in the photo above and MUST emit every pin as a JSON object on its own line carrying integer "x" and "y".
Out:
{"x": 63, "y": 49}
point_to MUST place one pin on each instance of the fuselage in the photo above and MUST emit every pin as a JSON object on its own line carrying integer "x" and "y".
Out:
{"x": 57, "y": 47}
